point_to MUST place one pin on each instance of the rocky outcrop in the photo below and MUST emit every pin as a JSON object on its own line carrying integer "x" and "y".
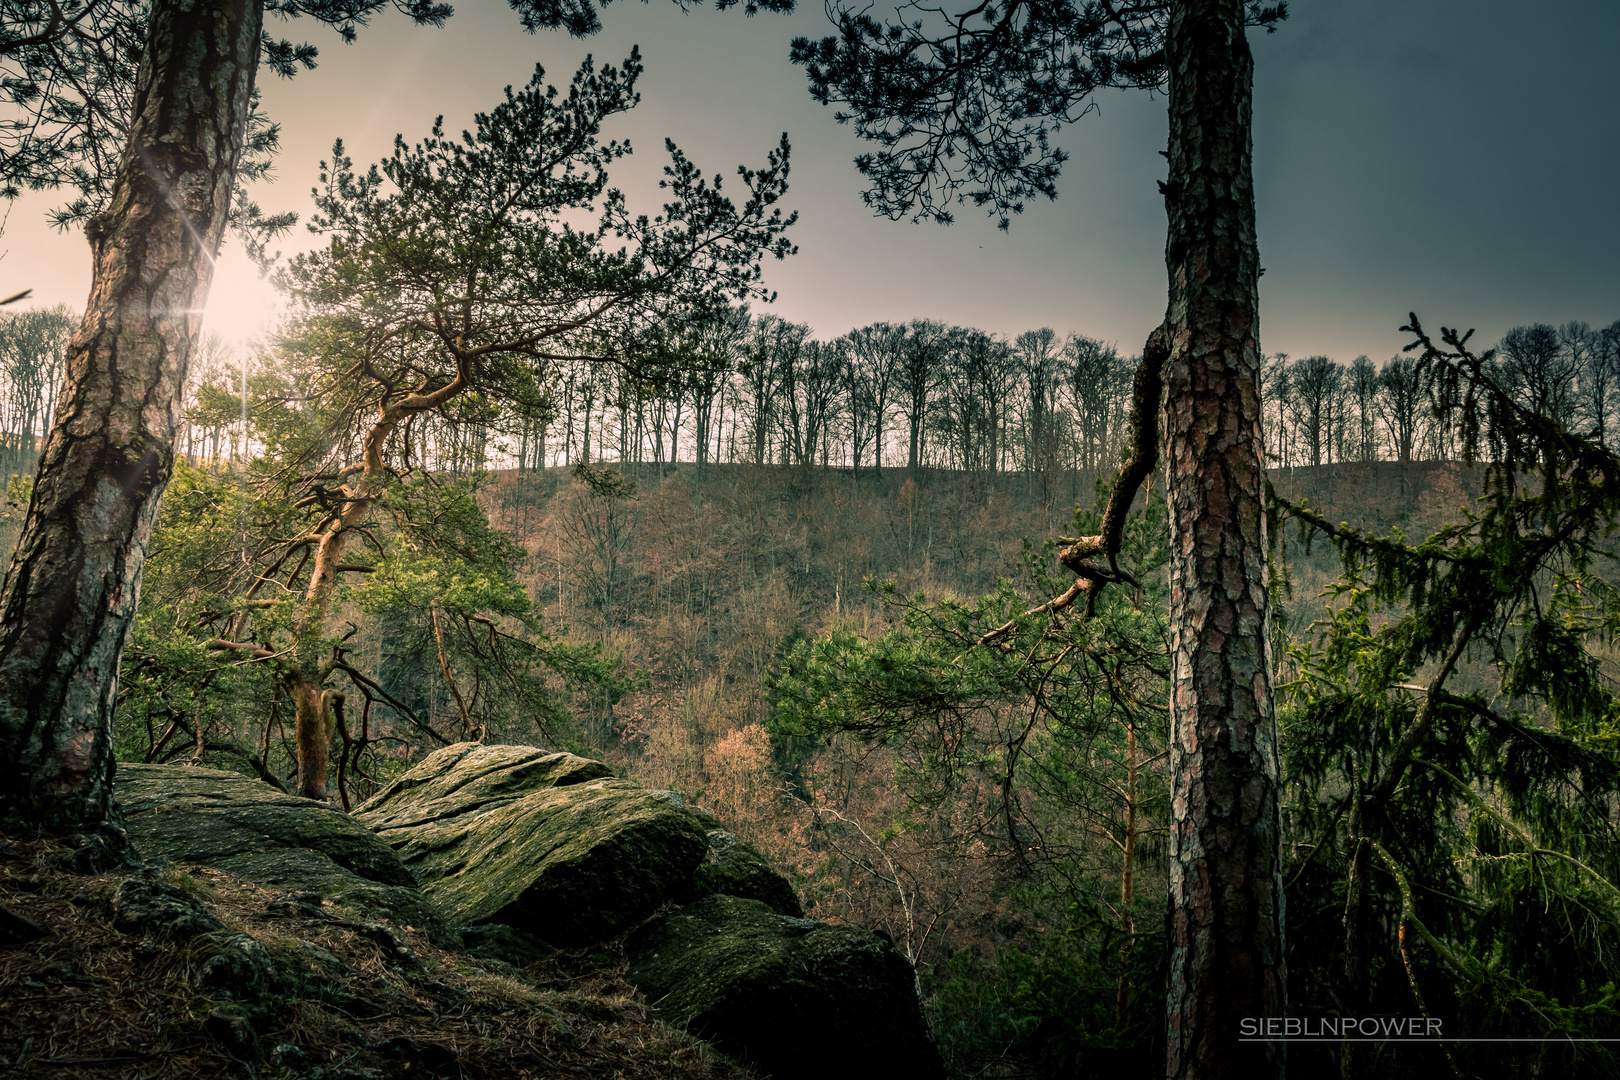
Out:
{"x": 470, "y": 778}
{"x": 141, "y": 905}
{"x": 543, "y": 841}
{"x": 526, "y": 850}
{"x": 737, "y": 868}
{"x": 227, "y": 966}
{"x": 245, "y": 827}
{"x": 795, "y": 998}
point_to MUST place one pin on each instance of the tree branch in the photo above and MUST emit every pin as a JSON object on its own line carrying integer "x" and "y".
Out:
{"x": 1146, "y": 389}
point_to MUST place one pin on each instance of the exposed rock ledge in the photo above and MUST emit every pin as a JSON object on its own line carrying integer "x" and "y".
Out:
{"x": 245, "y": 827}
{"x": 542, "y": 841}
{"x": 513, "y": 843}
{"x": 796, "y": 998}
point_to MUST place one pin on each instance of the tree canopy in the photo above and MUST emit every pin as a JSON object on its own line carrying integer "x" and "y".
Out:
{"x": 452, "y": 279}
{"x": 962, "y": 105}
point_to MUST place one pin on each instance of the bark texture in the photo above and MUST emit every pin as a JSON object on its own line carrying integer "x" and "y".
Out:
{"x": 1226, "y": 900}
{"x": 71, "y": 589}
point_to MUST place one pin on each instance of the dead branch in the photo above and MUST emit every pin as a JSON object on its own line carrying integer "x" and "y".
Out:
{"x": 369, "y": 687}
{"x": 248, "y": 649}
{"x": 1146, "y": 389}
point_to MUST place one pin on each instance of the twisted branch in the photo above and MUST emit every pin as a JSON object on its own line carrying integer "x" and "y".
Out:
{"x": 1142, "y": 456}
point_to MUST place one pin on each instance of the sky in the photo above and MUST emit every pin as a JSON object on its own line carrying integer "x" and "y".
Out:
{"x": 1453, "y": 157}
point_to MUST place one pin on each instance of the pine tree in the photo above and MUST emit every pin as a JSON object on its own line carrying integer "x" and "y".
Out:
{"x": 1452, "y": 752}
{"x": 961, "y": 108}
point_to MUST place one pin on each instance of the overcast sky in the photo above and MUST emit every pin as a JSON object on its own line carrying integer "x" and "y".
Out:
{"x": 1456, "y": 157}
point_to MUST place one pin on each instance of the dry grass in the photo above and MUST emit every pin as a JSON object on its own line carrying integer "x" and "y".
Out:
{"x": 89, "y": 1001}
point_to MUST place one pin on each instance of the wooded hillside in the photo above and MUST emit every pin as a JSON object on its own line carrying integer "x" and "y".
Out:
{"x": 993, "y": 851}
{"x": 768, "y": 573}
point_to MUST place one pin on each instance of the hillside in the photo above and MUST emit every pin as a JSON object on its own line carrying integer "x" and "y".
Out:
{"x": 710, "y": 631}
{"x": 701, "y": 576}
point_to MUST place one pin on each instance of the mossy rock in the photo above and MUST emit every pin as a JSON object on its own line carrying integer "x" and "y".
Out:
{"x": 505, "y": 945}
{"x": 541, "y": 841}
{"x": 794, "y": 998}
{"x": 246, "y": 827}
{"x": 467, "y": 778}
{"x": 737, "y": 868}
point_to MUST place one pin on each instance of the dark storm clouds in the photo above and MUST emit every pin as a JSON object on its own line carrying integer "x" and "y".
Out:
{"x": 1453, "y": 157}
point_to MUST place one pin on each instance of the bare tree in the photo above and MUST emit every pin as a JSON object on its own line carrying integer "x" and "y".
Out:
{"x": 874, "y": 358}
{"x": 920, "y": 367}
{"x": 595, "y": 522}
{"x": 1359, "y": 429}
{"x": 1277, "y": 398}
{"x": 1594, "y": 378}
{"x": 716, "y": 343}
{"x": 1540, "y": 370}
{"x": 32, "y": 346}
{"x": 810, "y": 382}
{"x": 1401, "y": 404}
{"x": 216, "y": 400}
{"x": 979, "y": 376}
{"x": 773, "y": 346}
{"x": 1316, "y": 382}
{"x": 1099, "y": 386}
{"x": 1041, "y": 363}
{"x": 1605, "y": 361}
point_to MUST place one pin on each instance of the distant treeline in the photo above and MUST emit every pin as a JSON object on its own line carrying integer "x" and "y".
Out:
{"x": 1319, "y": 411}
{"x": 32, "y": 345}
{"x": 759, "y": 389}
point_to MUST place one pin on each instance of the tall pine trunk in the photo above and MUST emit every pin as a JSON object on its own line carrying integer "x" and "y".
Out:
{"x": 70, "y": 593}
{"x": 1226, "y": 917}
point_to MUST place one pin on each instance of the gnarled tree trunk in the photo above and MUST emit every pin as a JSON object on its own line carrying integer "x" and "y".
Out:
{"x": 363, "y": 480}
{"x": 71, "y": 589}
{"x": 1226, "y": 917}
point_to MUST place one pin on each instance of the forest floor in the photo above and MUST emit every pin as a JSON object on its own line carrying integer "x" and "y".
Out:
{"x": 87, "y": 1000}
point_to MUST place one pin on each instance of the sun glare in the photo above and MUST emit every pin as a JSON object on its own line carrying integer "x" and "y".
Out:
{"x": 241, "y": 305}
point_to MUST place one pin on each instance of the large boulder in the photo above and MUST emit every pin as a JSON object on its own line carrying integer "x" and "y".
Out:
{"x": 795, "y": 998}
{"x": 467, "y": 778}
{"x": 543, "y": 841}
{"x": 737, "y": 868}
{"x": 245, "y": 827}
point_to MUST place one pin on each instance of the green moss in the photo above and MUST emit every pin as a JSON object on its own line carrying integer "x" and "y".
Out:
{"x": 466, "y": 777}
{"x": 544, "y": 841}
{"x": 569, "y": 865}
{"x": 247, "y": 828}
{"x": 738, "y": 868}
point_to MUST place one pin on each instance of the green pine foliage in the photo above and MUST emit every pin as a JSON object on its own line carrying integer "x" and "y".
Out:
{"x": 434, "y": 552}
{"x": 1449, "y": 735}
{"x": 1450, "y": 739}
{"x": 1056, "y": 728}
{"x": 454, "y": 279}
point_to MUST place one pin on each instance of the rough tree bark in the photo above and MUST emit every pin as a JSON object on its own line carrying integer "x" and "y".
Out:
{"x": 1226, "y": 897}
{"x": 924, "y": 92}
{"x": 70, "y": 593}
